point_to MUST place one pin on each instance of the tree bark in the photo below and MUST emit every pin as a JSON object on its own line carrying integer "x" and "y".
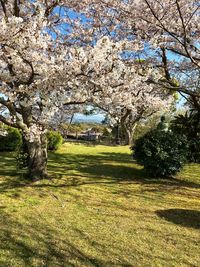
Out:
{"x": 129, "y": 137}
{"x": 129, "y": 134}
{"x": 37, "y": 157}
{"x": 117, "y": 136}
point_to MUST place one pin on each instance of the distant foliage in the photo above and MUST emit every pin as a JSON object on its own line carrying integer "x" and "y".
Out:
{"x": 194, "y": 150}
{"x": 189, "y": 125}
{"x": 161, "y": 153}
{"x": 54, "y": 140}
{"x": 11, "y": 141}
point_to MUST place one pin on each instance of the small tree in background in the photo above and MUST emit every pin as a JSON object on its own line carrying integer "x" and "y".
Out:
{"x": 189, "y": 125}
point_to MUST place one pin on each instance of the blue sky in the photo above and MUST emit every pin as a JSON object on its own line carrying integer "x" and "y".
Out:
{"x": 97, "y": 118}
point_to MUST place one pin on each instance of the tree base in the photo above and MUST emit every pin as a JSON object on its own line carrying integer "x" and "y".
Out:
{"x": 37, "y": 176}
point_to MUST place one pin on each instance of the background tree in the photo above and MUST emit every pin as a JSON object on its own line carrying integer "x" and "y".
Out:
{"x": 132, "y": 100}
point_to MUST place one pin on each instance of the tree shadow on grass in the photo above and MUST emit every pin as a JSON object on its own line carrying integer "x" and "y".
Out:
{"x": 7, "y": 164}
{"x": 90, "y": 143}
{"x": 184, "y": 217}
{"x": 104, "y": 168}
{"x": 10, "y": 177}
{"x": 36, "y": 243}
{"x": 109, "y": 168}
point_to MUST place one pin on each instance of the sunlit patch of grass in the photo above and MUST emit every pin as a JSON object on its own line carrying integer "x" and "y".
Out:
{"x": 99, "y": 208}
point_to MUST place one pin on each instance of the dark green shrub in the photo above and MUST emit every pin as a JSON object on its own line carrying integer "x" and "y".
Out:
{"x": 161, "y": 153}
{"x": 189, "y": 125}
{"x": 194, "y": 150}
{"x": 11, "y": 141}
{"x": 54, "y": 140}
{"x": 22, "y": 156}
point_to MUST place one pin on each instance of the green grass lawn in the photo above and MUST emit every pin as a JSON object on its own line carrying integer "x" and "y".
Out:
{"x": 98, "y": 209}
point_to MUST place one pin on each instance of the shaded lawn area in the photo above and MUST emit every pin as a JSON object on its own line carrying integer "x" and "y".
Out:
{"x": 98, "y": 209}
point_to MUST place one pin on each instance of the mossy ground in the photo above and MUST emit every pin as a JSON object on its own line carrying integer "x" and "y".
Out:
{"x": 98, "y": 209}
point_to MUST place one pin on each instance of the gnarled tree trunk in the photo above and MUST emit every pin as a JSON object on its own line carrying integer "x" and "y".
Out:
{"x": 129, "y": 134}
{"x": 37, "y": 156}
{"x": 117, "y": 135}
{"x": 128, "y": 137}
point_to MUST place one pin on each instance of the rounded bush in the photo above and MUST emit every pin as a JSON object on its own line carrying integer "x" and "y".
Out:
{"x": 54, "y": 140}
{"x": 11, "y": 141}
{"x": 161, "y": 153}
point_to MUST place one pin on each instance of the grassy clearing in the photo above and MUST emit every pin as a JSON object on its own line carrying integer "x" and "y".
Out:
{"x": 98, "y": 209}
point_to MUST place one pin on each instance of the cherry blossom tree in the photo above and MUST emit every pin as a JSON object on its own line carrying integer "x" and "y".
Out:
{"x": 173, "y": 28}
{"x": 41, "y": 74}
{"x": 51, "y": 62}
{"x": 122, "y": 91}
{"x": 35, "y": 70}
{"x": 167, "y": 30}
{"x": 132, "y": 102}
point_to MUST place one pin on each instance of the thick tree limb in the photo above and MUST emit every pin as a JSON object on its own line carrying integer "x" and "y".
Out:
{"x": 170, "y": 86}
{"x": 16, "y": 8}
{"x": 9, "y": 123}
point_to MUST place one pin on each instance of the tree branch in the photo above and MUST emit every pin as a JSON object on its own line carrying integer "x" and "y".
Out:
{"x": 16, "y": 9}
{"x": 9, "y": 123}
{"x": 3, "y": 7}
